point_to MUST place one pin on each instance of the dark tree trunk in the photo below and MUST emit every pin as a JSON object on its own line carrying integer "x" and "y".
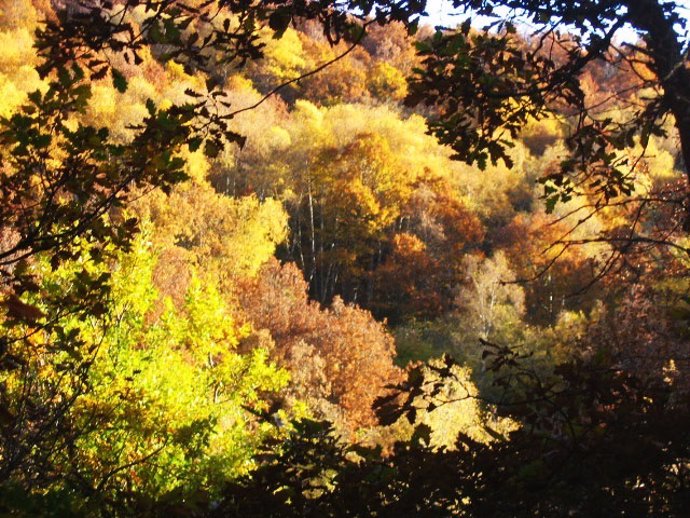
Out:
{"x": 669, "y": 62}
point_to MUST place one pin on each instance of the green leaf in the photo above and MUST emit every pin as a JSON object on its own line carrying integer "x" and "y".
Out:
{"x": 211, "y": 149}
{"x": 194, "y": 144}
{"x": 151, "y": 107}
{"x": 422, "y": 434}
{"x": 279, "y": 21}
{"x": 119, "y": 81}
{"x": 551, "y": 204}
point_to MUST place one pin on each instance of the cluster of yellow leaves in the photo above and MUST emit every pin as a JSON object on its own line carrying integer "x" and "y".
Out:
{"x": 18, "y": 20}
{"x": 165, "y": 409}
{"x": 223, "y": 237}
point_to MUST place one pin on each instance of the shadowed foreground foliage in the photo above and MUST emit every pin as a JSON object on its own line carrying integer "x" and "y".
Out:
{"x": 595, "y": 442}
{"x": 158, "y": 159}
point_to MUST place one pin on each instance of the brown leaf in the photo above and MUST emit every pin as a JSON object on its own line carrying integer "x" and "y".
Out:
{"x": 18, "y": 310}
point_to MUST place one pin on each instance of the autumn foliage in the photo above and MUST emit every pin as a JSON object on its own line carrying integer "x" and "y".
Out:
{"x": 341, "y": 359}
{"x": 445, "y": 274}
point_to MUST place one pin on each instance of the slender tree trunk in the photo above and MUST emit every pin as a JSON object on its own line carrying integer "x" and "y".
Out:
{"x": 312, "y": 236}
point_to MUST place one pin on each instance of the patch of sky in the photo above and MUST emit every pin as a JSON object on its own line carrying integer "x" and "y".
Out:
{"x": 441, "y": 13}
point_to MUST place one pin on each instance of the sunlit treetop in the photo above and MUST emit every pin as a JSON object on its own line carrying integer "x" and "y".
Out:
{"x": 535, "y": 59}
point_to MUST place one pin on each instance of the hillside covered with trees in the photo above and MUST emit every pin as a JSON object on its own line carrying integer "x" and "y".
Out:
{"x": 322, "y": 258}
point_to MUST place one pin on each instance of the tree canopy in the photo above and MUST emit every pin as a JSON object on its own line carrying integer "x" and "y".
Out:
{"x": 317, "y": 258}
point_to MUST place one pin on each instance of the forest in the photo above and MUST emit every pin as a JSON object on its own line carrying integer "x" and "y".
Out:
{"x": 324, "y": 258}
